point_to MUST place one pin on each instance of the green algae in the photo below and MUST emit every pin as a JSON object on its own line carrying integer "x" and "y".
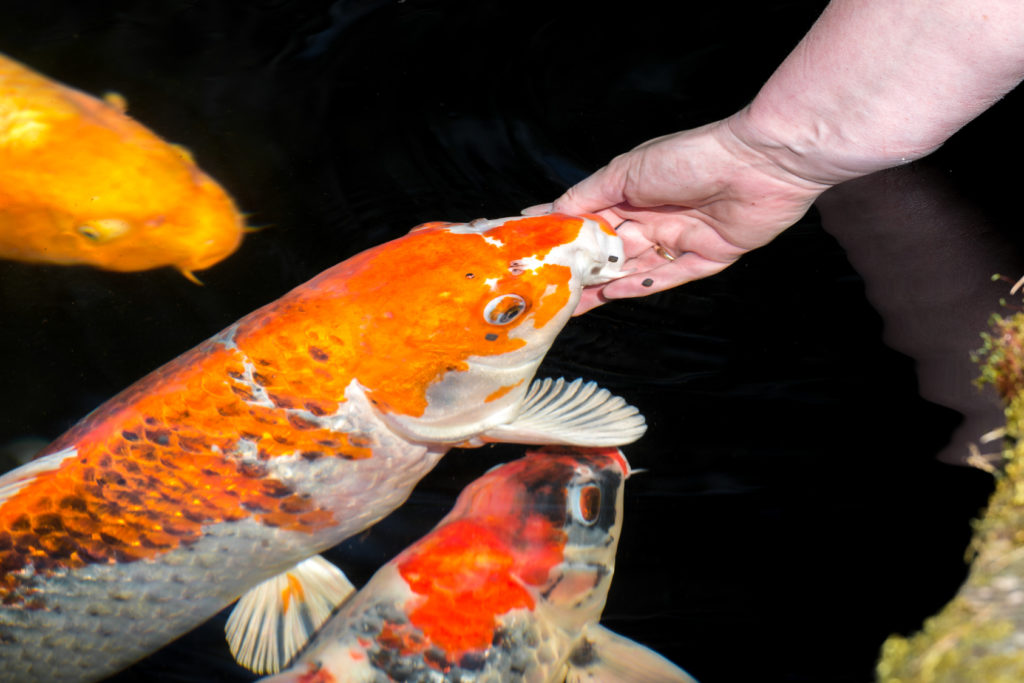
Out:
{"x": 979, "y": 635}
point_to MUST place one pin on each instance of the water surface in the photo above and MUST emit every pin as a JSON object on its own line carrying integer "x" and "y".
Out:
{"x": 794, "y": 512}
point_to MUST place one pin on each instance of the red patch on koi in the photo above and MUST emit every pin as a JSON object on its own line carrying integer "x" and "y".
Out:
{"x": 464, "y": 569}
{"x": 315, "y": 673}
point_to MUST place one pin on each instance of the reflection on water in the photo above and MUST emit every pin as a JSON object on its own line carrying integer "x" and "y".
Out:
{"x": 927, "y": 257}
{"x": 793, "y": 513}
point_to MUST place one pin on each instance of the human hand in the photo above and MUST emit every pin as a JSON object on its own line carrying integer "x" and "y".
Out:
{"x": 686, "y": 206}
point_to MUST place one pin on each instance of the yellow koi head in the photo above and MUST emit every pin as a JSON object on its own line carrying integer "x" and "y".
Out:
{"x": 82, "y": 183}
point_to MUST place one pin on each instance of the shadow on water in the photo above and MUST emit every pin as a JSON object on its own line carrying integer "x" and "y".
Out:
{"x": 793, "y": 513}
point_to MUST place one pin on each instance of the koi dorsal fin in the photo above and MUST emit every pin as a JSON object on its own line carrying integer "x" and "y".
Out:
{"x": 276, "y": 618}
{"x": 605, "y": 656}
{"x": 573, "y": 413}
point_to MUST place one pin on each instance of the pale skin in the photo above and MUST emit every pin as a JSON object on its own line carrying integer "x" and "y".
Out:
{"x": 874, "y": 84}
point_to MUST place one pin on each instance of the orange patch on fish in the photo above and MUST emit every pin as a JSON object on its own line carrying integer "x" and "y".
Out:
{"x": 316, "y": 674}
{"x": 293, "y": 587}
{"x": 474, "y": 566}
{"x": 464, "y": 569}
{"x": 494, "y": 396}
{"x": 601, "y": 222}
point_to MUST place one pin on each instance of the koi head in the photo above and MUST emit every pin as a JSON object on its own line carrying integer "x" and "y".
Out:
{"x": 191, "y": 235}
{"x": 454, "y": 319}
{"x": 572, "y": 495}
{"x": 115, "y": 217}
{"x": 539, "y": 533}
{"x": 83, "y": 183}
{"x": 509, "y": 585}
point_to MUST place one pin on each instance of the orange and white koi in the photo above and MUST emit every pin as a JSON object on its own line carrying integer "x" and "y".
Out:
{"x": 304, "y": 422}
{"x": 83, "y": 183}
{"x": 509, "y": 586}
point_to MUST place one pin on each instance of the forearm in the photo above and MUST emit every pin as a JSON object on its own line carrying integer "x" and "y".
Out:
{"x": 876, "y": 83}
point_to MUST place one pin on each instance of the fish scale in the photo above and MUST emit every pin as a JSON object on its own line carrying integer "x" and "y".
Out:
{"x": 303, "y": 423}
{"x": 102, "y": 602}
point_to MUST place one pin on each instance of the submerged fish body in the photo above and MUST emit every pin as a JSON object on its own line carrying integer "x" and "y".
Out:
{"x": 509, "y": 586}
{"x": 83, "y": 183}
{"x": 301, "y": 424}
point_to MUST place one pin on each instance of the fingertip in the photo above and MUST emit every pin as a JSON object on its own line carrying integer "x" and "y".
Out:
{"x": 537, "y": 209}
{"x": 567, "y": 206}
{"x": 591, "y": 299}
{"x": 571, "y": 201}
{"x": 684, "y": 269}
{"x": 585, "y": 306}
{"x": 560, "y": 205}
{"x": 643, "y": 284}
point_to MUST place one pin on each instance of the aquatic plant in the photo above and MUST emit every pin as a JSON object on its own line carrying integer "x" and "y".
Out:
{"x": 979, "y": 634}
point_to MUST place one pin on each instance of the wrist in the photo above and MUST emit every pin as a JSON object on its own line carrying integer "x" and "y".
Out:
{"x": 818, "y": 147}
{"x": 785, "y": 165}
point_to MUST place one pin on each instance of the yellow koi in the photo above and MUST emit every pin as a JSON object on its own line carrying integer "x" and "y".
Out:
{"x": 83, "y": 183}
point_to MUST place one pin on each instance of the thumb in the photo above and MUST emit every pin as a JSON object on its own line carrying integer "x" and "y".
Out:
{"x": 595, "y": 193}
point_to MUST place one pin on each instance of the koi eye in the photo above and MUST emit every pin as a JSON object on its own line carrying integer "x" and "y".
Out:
{"x": 90, "y": 232}
{"x": 586, "y": 504}
{"x": 103, "y": 230}
{"x": 504, "y": 309}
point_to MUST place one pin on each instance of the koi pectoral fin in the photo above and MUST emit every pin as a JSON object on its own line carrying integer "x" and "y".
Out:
{"x": 607, "y": 656}
{"x": 275, "y": 619}
{"x": 190, "y": 276}
{"x": 573, "y": 413}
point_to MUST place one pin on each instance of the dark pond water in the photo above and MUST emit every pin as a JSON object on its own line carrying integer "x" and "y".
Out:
{"x": 795, "y": 511}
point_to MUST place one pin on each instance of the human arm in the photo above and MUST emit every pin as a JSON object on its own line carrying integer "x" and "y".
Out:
{"x": 874, "y": 83}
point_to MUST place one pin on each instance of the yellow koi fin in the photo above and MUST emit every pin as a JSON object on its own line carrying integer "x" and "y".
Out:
{"x": 190, "y": 276}
{"x": 276, "y": 618}
{"x": 116, "y": 100}
{"x": 606, "y": 656}
{"x": 184, "y": 152}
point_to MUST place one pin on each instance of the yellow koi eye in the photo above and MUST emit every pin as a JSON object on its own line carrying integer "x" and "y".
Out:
{"x": 586, "y": 504}
{"x": 103, "y": 230}
{"x": 503, "y": 309}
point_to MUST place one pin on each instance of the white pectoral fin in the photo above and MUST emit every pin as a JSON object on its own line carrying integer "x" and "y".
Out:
{"x": 573, "y": 413}
{"x": 276, "y": 618}
{"x": 16, "y": 479}
{"x": 605, "y": 656}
